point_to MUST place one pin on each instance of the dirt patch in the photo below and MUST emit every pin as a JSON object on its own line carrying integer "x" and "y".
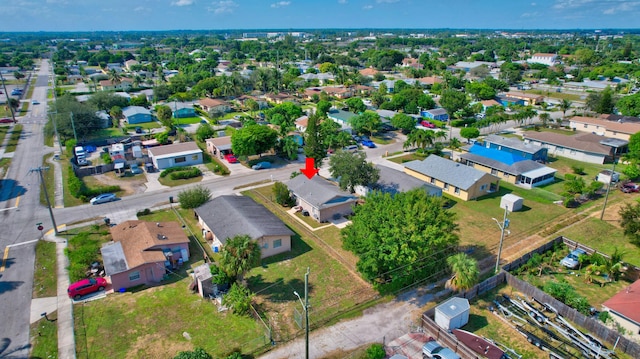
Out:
{"x": 157, "y": 346}
{"x": 129, "y": 185}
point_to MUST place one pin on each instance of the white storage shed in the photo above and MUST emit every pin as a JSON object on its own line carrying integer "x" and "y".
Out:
{"x": 452, "y": 314}
{"x": 511, "y": 202}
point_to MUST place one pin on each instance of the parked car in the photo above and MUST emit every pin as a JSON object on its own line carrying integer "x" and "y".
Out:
{"x": 135, "y": 169}
{"x": 6, "y": 120}
{"x": 261, "y": 165}
{"x": 433, "y": 349}
{"x": 230, "y": 158}
{"x": 35, "y": 102}
{"x": 86, "y": 286}
{"x": 427, "y": 124}
{"x": 351, "y": 148}
{"x": 571, "y": 260}
{"x": 630, "y": 187}
{"x": 368, "y": 143}
{"x": 139, "y": 129}
{"x": 103, "y": 198}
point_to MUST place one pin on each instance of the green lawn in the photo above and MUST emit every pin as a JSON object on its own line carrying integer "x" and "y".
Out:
{"x": 554, "y": 94}
{"x": 44, "y": 336}
{"x": 144, "y": 125}
{"x": 187, "y": 120}
{"x": 14, "y": 137}
{"x": 45, "y": 277}
{"x": 49, "y": 182}
{"x": 3, "y": 133}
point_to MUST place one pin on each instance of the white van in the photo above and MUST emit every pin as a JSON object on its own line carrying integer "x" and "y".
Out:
{"x": 351, "y": 148}
{"x": 79, "y": 151}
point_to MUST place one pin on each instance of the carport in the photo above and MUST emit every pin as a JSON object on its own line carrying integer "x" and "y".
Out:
{"x": 219, "y": 146}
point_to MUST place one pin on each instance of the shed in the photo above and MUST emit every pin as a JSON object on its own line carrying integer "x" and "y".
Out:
{"x": 137, "y": 151}
{"x": 606, "y": 176}
{"x": 511, "y": 202}
{"x": 452, "y": 314}
{"x": 202, "y": 276}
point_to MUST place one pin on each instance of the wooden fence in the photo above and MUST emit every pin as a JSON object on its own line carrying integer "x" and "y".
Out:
{"x": 445, "y": 338}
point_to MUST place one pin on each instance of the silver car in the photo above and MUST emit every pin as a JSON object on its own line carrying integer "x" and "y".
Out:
{"x": 571, "y": 260}
{"x": 103, "y": 198}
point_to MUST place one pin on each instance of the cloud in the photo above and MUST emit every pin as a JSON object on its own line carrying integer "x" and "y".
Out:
{"x": 367, "y": 7}
{"x": 623, "y": 6}
{"x": 571, "y": 4}
{"x": 182, "y": 3}
{"x": 530, "y": 14}
{"x": 221, "y": 7}
{"x": 342, "y": 1}
{"x": 280, "y": 4}
{"x": 141, "y": 9}
{"x": 386, "y": 1}
{"x": 533, "y": 4}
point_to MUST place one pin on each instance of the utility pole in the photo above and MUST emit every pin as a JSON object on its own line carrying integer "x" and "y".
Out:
{"x": 53, "y": 114}
{"x": 46, "y": 195}
{"x": 503, "y": 227}
{"x": 73, "y": 125}
{"x": 305, "y": 305}
{"x": 6, "y": 94}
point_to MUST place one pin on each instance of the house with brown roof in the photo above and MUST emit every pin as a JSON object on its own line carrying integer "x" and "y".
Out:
{"x": 141, "y": 252}
{"x": 279, "y": 98}
{"x": 175, "y": 155}
{"x": 368, "y": 72}
{"x": 529, "y": 99}
{"x": 429, "y": 80}
{"x": 301, "y": 123}
{"x": 214, "y": 104}
{"x": 411, "y": 62}
{"x": 262, "y": 103}
{"x": 362, "y": 90}
{"x": 125, "y": 84}
{"x": 489, "y": 103}
{"x": 584, "y": 147}
{"x": 334, "y": 91}
{"x": 623, "y": 308}
{"x": 219, "y": 146}
{"x": 602, "y": 127}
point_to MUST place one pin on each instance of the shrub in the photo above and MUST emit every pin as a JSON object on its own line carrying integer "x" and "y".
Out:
{"x": 194, "y": 197}
{"x": 144, "y": 212}
{"x": 82, "y": 251}
{"x": 171, "y": 170}
{"x": 376, "y": 351}
{"x": 190, "y": 172}
{"x": 106, "y": 158}
{"x": 238, "y": 299}
{"x": 282, "y": 194}
{"x": 565, "y": 293}
{"x": 579, "y": 170}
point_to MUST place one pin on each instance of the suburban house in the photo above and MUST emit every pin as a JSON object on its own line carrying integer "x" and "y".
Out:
{"x": 529, "y": 99}
{"x": 334, "y": 91}
{"x": 136, "y": 114}
{"x": 602, "y": 127}
{"x": 362, "y": 90}
{"x": 516, "y": 147}
{"x": 219, "y": 146}
{"x": 322, "y": 77}
{"x": 141, "y": 252}
{"x": 107, "y": 85}
{"x": 182, "y": 109}
{"x": 508, "y": 167}
{"x": 439, "y": 114}
{"x": 228, "y": 216}
{"x": 301, "y": 123}
{"x": 175, "y": 155}
{"x": 584, "y": 147}
{"x": 429, "y": 80}
{"x": 506, "y": 101}
{"x": 623, "y": 308}
{"x": 454, "y": 178}
{"x": 369, "y": 72}
{"x": 489, "y": 103}
{"x": 105, "y": 119}
{"x": 129, "y": 64}
{"x": 544, "y": 59}
{"x": 343, "y": 118}
{"x": 393, "y": 181}
{"x": 262, "y": 103}
{"x": 214, "y": 104}
{"x": 321, "y": 198}
{"x": 279, "y": 98}
{"x": 411, "y": 62}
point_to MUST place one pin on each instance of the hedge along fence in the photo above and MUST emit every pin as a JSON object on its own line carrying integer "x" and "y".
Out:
{"x": 176, "y": 173}
{"x": 79, "y": 190}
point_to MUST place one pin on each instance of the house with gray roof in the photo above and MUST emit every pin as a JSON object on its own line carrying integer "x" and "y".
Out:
{"x": 584, "y": 147}
{"x": 321, "y": 198}
{"x": 393, "y": 181}
{"x": 455, "y": 179}
{"x": 228, "y": 216}
{"x": 136, "y": 114}
{"x": 343, "y": 118}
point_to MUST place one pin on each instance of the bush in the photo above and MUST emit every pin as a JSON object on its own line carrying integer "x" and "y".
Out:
{"x": 282, "y": 194}
{"x": 190, "y": 172}
{"x": 376, "y": 351}
{"x": 144, "y": 212}
{"x": 579, "y": 170}
{"x": 461, "y": 123}
{"x": 82, "y": 251}
{"x": 565, "y": 293}
{"x": 106, "y": 158}
{"x": 194, "y": 197}
{"x": 238, "y": 299}
{"x": 171, "y": 170}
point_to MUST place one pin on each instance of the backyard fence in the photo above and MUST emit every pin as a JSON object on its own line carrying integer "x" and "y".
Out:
{"x": 445, "y": 338}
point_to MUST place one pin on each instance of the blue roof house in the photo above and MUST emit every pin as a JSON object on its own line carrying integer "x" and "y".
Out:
{"x": 137, "y": 114}
{"x": 439, "y": 114}
{"x": 516, "y": 147}
{"x": 182, "y": 109}
{"x": 510, "y": 101}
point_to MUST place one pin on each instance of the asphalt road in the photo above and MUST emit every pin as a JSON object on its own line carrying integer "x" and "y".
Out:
{"x": 20, "y": 210}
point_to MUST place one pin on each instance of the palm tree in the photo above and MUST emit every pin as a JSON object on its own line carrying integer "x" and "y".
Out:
{"x": 420, "y": 139}
{"x": 544, "y": 117}
{"x": 455, "y": 143}
{"x": 114, "y": 76}
{"x": 239, "y": 255}
{"x": 465, "y": 271}
{"x": 565, "y": 105}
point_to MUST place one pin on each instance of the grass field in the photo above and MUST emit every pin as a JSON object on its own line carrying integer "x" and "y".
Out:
{"x": 45, "y": 275}
{"x": 14, "y": 137}
{"x": 187, "y": 120}
{"x": 44, "y": 337}
{"x": 49, "y": 182}
{"x": 553, "y": 94}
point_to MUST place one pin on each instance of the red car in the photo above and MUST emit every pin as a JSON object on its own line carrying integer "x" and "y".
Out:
{"x": 230, "y": 158}
{"x": 6, "y": 120}
{"x": 630, "y": 187}
{"x": 427, "y": 124}
{"x": 86, "y": 286}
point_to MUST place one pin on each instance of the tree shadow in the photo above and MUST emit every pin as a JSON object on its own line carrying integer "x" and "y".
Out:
{"x": 298, "y": 247}
{"x": 8, "y": 262}
{"x": 9, "y": 286}
{"x": 476, "y": 322}
{"x": 4, "y": 345}
{"x": 278, "y": 290}
{"x": 10, "y": 189}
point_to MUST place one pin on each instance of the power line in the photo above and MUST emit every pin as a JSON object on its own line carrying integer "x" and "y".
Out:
{"x": 46, "y": 195}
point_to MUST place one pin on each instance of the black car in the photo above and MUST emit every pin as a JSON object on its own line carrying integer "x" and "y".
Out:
{"x": 139, "y": 130}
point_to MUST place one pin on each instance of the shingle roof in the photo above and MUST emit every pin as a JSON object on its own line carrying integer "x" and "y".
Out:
{"x": 453, "y": 173}
{"x": 394, "y": 181}
{"x": 516, "y": 168}
{"x": 174, "y": 149}
{"x": 134, "y": 110}
{"x": 135, "y": 243}
{"x": 212, "y": 102}
{"x": 513, "y": 143}
{"x": 230, "y": 216}
{"x": 626, "y": 302}
{"x": 623, "y": 127}
{"x": 585, "y": 142}
{"x": 221, "y": 143}
{"x": 437, "y": 111}
{"x": 318, "y": 191}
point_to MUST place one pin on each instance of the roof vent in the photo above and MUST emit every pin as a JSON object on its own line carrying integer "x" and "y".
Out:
{"x": 158, "y": 224}
{"x": 161, "y": 236}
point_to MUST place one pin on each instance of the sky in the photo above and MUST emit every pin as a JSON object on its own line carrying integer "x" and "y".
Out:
{"x": 122, "y": 15}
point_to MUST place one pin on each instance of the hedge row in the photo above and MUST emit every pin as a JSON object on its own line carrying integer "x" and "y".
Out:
{"x": 166, "y": 172}
{"x": 188, "y": 173}
{"x": 79, "y": 190}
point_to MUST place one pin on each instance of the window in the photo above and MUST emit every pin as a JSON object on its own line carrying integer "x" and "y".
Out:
{"x": 433, "y": 180}
{"x": 494, "y": 171}
{"x": 134, "y": 276}
{"x": 194, "y": 157}
{"x": 180, "y": 159}
{"x": 446, "y": 186}
{"x": 456, "y": 190}
{"x": 585, "y": 125}
{"x": 277, "y": 243}
{"x": 483, "y": 187}
{"x": 265, "y": 245}
{"x": 506, "y": 175}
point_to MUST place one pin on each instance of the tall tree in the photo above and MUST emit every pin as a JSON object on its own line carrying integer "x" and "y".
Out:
{"x": 565, "y": 105}
{"x": 352, "y": 169}
{"x": 314, "y": 146}
{"x": 403, "y": 122}
{"x": 401, "y": 239}
{"x": 253, "y": 139}
{"x": 239, "y": 255}
{"x": 452, "y": 101}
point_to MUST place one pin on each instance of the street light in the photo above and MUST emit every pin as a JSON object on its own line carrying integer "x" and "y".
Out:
{"x": 503, "y": 227}
{"x": 615, "y": 144}
{"x": 305, "y": 305}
